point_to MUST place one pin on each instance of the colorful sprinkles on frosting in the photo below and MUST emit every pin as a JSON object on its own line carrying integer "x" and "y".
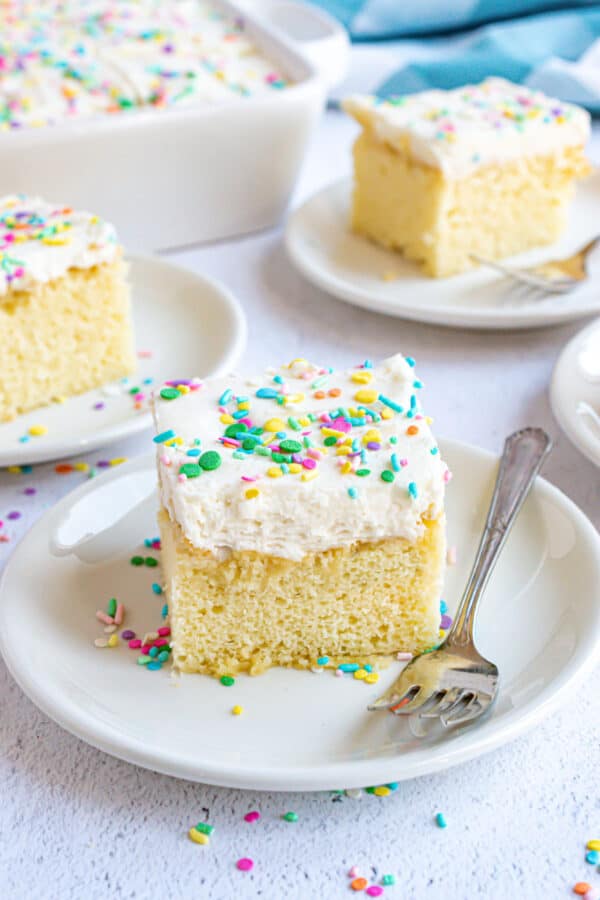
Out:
{"x": 61, "y": 61}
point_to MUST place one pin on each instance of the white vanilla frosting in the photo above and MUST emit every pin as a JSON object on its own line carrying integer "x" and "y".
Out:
{"x": 40, "y": 241}
{"x": 66, "y": 59}
{"x": 461, "y": 130}
{"x": 310, "y": 475}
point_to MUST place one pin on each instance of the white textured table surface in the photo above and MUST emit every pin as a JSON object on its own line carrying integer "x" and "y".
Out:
{"x": 75, "y": 823}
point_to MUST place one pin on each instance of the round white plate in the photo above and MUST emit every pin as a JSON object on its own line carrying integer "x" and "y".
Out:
{"x": 190, "y": 325}
{"x": 540, "y": 622}
{"x": 575, "y": 391}
{"x": 352, "y": 268}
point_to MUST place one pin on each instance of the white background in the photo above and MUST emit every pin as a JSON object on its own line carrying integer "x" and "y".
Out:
{"x": 75, "y": 823}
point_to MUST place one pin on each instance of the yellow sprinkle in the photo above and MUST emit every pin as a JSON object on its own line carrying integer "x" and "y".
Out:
{"x": 274, "y": 425}
{"x": 362, "y": 377}
{"x": 117, "y": 460}
{"x": 372, "y": 678}
{"x": 14, "y": 470}
{"x": 59, "y": 399}
{"x": 245, "y": 404}
{"x": 441, "y": 633}
{"x": 304, "y": 421}
{"x": 371, "y": 436}
{"x": 226, "y": 419}
{"x": 37, "y": 430}
{"x": 54, "y": 241}
{"x": 429, "y": 420}
{"x": 332, "y": 432}
{"x": 346, "y": 468}
{"x": 389, "y": 275}
{"x": 293, "y": 398}
{"x": 81, "y": 467}
{"x": 382, "y": 791}
{"x": 251, "y": 493}
{"x": 308, "y": 476}
{"x": 295, "y": 468}
{"x": 593, "y": 845}
{"x": 197, "y": 837}
{"x": 386, "y": 413}
{"x": 183, "y": 388}
{"x": 343, "y": 451}
{"x": 294, "y": 361}
{"x": 237, "y": 710}
{"x": 365, "y": 395}
{"x": 274, "y": 472}
{"x": 360, "y": 674}
{"x": 113, "y": 641}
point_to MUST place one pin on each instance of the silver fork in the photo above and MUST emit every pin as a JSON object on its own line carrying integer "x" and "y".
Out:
{"x": 455, "y": 683}
{"x": 558, "y": 276}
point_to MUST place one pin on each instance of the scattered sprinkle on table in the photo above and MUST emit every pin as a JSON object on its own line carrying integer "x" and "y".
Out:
{"x": 198, "y": 837}
{"x": 358, "y": 884}
{"x": 290, "y": 817}
{"x": 245, "y": 864}
{"x": 227, "y": 680}
{"x": 441, "y": 820}
{"x": 252, "y": 816}
{"x": 237, "y": 710}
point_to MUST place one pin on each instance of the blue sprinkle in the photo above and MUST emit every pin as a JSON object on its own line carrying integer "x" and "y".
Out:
{"x": 242, "y": 399}
{"x": 195, "y": 451}
{"x": 349, "y": 667}
{"x": 277, "y": 379}
{"x": 592, "y": 857}
{"x": 410, "y": 361}
{"x": 413, "y": 401}
{"x": 410, "y": 414}
{"x": 24, "y": 439}
{"x": 417, "y": 383}
{"x": 433, "y": 451}
{"x": 225, "y": 397}
{"x": 284, "y": 468}
{"x": 412, "y": 490}
{"x": 164, "y": 436}
{"x": 393, "y": 785}
{"x": 368, "y": 667}
{"x": 368, "y": 364}
{"x": 153, "y": 652}
{"x": 165, "y": 611}
{"x": 443, "y": 607}
{"x": 395, "y": 464}
{"x": 440, "y": 820}
{"x": 266, "y": 393}
{"x": 155, "y": 665}
{"x": 322, "y": 660}
{"x": 148, "y": 381}
{"x": 157, "y": 588}
{"x": 280, "y": 434}
{"x": 240, "y": 414}
{"x": 352, "y": 492}
{"x": 163, "y": 656}
{"x": 392, "y": 405}
{"x": 26, "y": 469}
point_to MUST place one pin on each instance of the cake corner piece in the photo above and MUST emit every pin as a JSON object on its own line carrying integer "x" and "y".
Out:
{"x": 65, "y": 321}
{"x": 302, "y": 517}
{"x": 486, "y": 169}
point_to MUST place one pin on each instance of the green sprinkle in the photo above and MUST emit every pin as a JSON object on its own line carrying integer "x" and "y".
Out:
{"x": 290, "y": 817}
{"x": 137, "y": 560}
{"x": 151, "y": 562}
{"x": 263, "y": 451}
{"x": 227, "y": 680}
{"x": 112, "y": 606}
{"x": 232, "y": 431}
{"x": 210, "y": 460}
{"x": 144, "y": 659}
{"x": 249, "y": 443}
{"x": 294, "y": 424}
{"x": 170, "y": 393}
{"x": 393, "y": 439}
{"x": 203, "y": 828}
{"x": 362, "y": 472}
{"x": 289, "y": 446}
{"x": 386, "y": 880}
{"x": 190, "y": 470}
{"x": 388, "y": 476}
{"x": 330, "y": 441}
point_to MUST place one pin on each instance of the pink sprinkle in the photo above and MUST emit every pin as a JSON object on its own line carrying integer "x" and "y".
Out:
{"x": 163, "y": 631}
{"x": 447, "y": 476}
{"x": 245, "y": 422}
{"x": 403, "y": 463}
{"x": 104, "y": 618}
{"x": 232, "y": 442}
{"x": 145, "y": 649}
{"x": 309, "y": 463}
{"x": 374, "y": 891}
{"x": 159, "y": 642}
{"x": 139, "y": 397}
{"x": 354, "y": 872}
{"x": 119, "y": 614}
{"x": 451, "y": 556}
{"x": 253, "y": 816}
{"x": 249, "y": 478}
{"x": 313, "y": 453}
{"x": 135, "y": 644}
{"x": 404, "y": 657}
{"x": 338, "y": 673}
{"x": 341, "y": 425}
{"x": 19, "y": 272}
{"x": 325, "y": 417}
{"x": 165, "y": 460}
{"x": 245, "y": 864}
{"x": 144, "y": 354}
{"x": 182, "y": 477}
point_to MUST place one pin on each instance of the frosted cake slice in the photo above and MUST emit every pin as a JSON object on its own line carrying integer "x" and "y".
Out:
{"x": 485, "y": 169}
{"x": 65, "y": 323}
{"x": 302, "y": 517}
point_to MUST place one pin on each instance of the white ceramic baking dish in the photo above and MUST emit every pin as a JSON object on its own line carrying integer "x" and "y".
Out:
{"x": 171, "y": 177}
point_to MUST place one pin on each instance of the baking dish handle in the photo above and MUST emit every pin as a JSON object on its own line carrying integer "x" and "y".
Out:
{"x": 317, "y": 35}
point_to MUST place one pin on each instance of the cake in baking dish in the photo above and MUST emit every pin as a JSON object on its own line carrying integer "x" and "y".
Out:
{"x": 65, "y": 323}
{"x": 72, "y": 59}
{"x": 302, "y": 516}
{"x": 485, "y": 169}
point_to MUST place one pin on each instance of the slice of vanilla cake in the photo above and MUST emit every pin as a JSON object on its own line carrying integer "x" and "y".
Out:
{"x": 301, "y": 517}
{"x": 485, "y": 169}
{"x": 65, "y": 324}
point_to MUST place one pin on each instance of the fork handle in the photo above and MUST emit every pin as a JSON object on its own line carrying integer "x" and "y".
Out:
{"x": 522, "y": 458}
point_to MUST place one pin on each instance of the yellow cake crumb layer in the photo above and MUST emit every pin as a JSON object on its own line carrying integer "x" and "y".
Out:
{"x": 497, "y": 211}
{"x": 250, "y": 611}
{"x": 64, "y": 337}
